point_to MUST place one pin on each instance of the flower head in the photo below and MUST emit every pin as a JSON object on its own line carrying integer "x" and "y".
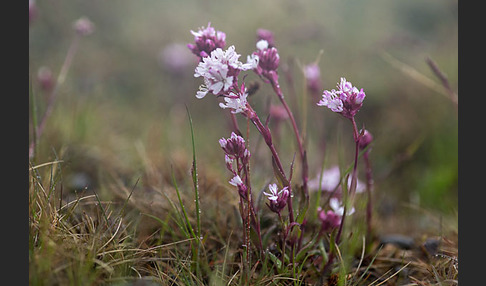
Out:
{"x": 312, "y": 74}
{"x": 268, "y": 60}
{"x": 207, "y": 40}
{"x": 175, "y": 58}
{"x": 83, "y": 26}
{"x": 277, "y": 199}
{"x": 45, "y": 78}
{"x": 220, "y": 71}
{"x": 347, "y": 100}
{"x": 267, "y": 35}
{"x": 235, "y": 148}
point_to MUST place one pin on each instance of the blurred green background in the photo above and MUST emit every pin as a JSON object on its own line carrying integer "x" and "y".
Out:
{"x": 123, "y": 91}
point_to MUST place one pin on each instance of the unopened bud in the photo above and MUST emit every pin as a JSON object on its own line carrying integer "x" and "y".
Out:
{"x": 83, "y": 26}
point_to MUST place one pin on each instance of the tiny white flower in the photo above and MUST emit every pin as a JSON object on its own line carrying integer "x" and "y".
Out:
{"x": 235, "y": 102}
{"x": 251, "y": 62}
{"x": 273, "y": 195}
{"x": 236, "y": 181}
{"x": 338, "y": 209}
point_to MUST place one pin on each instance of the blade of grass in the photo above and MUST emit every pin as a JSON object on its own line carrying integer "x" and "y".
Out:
{"x": 101, "y": 207}
{"x": 196, "y": 194}
{"x": 194, "y": 177}
{"x": 120, "y": 213}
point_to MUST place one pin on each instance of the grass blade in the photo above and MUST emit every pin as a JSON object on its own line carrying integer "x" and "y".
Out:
{"x": 194, "y": 177}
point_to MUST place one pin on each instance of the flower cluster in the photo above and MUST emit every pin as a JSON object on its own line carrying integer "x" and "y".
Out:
{"x": 235, "y": 149}
{"x": 267, "y": 35}
{"x": 220, "y": 72}
{"x": 347, "y": 100}
{"x": 268, "y": 60}
{"x": 207, "y": 40}
{"x": 237, "y": 154}
{"x": 277, "y": 199}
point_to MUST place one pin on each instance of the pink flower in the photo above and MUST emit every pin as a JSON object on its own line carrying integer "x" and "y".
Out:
{"x": 175, "y": 58}
{"x": 207, "y": 40}
{"x": 312, "y": 75}
{"x": 332, "y": 218}
{"x": 329, "y": 220}
{"x": 347, "y": 100}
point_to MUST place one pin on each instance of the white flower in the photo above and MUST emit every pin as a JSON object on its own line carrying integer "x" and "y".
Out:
{"x": 332, "y": 100}
{"x": 273, "y": 195}
{"x": 251, "y": 62}
{"x": 220, "y": 71}
{"x": 338, "y": 209}
{"x": 235, "y": 102}
{"x": 215, "y": 76}
{"x": 331, "y": 178}
{"x": 236, "y": 181}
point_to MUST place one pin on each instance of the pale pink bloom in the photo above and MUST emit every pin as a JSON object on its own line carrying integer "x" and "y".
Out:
{"x": 347, "y": 100}
{"x": 83, "y": 26}
{"x": 329, "y": 220}
{"x": 175, "y": 58}
{"x": 312, "y": 75}
{"x": 220, "y": 71}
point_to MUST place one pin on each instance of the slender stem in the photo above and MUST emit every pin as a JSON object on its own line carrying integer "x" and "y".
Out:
{"x": 354, "y": 179}
{"x": 267, "y": 136}
{"x": 53, "y": 95}
{"x": 234, "y": 123}
{"x": 278, "y": 91}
